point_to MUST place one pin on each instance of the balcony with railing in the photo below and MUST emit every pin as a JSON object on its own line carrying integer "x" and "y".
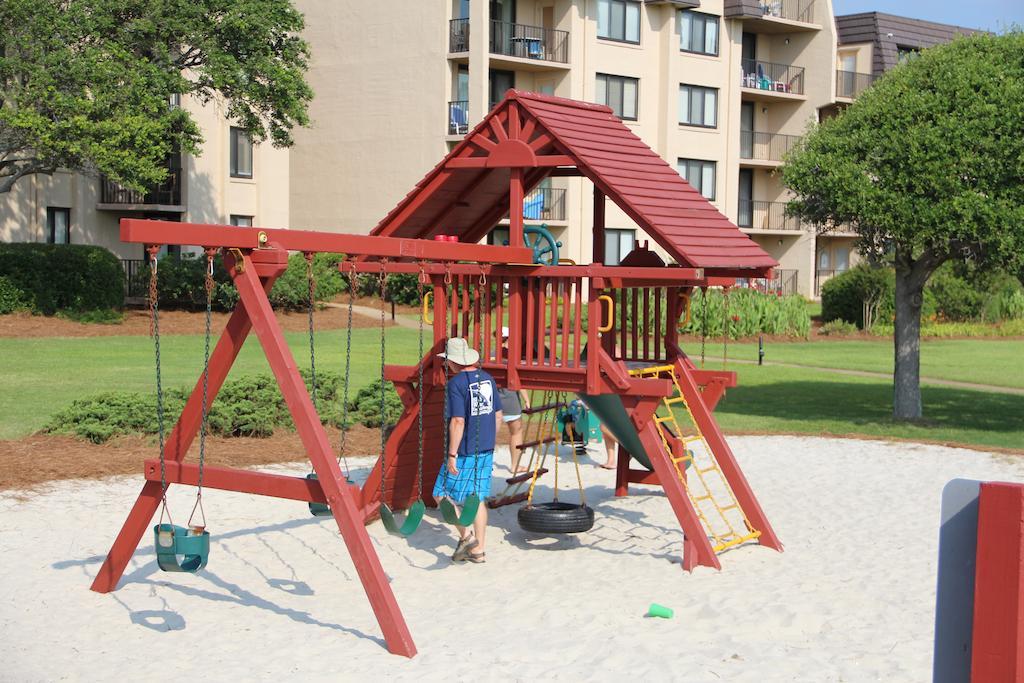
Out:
{"x": 850, "y": 84}
{"x": 166, "y": 195}
{"x": 793, "y": 10}
{"x": 773, "y": 16}
{"x": 458, "y": 117}
{"x": 769, "y": 148}
{"x": 761, "y": 215}
{"x": 514, "y": 40}
{"x": 766, "y": 80}
{"x": 783, "y": 282}
{"x": 545, "y": 204}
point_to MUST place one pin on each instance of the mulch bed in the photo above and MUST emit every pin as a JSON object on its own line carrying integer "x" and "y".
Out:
{"x": 136, "y": 323}
{"x": 33, "y": 460}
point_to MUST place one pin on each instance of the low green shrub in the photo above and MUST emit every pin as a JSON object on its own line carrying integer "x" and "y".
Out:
{"x": 366, "y": 406}
{"x": 248, "y": 406}
{"x": 747, "y": 313}
{"x": 403, "y": 288}
{"x": 940, "y": 330}
{"x": 181, "y": 282}
{"x": 11, "y": 297}
{"x": 843, "y": 296}
{"x": 46, "y": 278}
{"x": 837, "y": 328}
{"x": 100, "y": 316}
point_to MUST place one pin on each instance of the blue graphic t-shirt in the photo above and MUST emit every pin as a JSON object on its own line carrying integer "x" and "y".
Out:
{"x": 473, "y": 395}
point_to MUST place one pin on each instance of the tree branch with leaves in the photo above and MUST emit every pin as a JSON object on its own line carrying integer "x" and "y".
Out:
{"x": 86, "y": 84}
{"x": 928, "y": 166}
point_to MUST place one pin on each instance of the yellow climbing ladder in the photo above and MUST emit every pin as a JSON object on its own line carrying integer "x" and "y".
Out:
{"x": 539, "y": 437}
{"x": 716, "y": 505}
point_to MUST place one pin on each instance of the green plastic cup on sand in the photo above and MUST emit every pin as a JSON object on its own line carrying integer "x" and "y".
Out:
{"x": 656, "y": 610}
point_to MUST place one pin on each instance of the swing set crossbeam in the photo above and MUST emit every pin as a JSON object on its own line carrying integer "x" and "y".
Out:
{"x": 242, "y": 481}
{"x": 144, "y": 231}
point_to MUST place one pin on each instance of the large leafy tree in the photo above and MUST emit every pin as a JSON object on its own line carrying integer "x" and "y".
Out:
{"x": 928, "y": 166}
{"x": 86, "y": 84}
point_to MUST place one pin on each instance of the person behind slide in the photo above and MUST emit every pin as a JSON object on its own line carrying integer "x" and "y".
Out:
{"x": 512, "y": 404}
{"x": 474, "y": 412}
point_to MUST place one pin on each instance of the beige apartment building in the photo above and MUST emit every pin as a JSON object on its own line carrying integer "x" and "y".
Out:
{"x": 231, "y": 182}
{"x": 721, "y": 88}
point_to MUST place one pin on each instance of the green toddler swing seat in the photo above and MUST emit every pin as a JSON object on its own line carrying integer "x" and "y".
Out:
{"x": 180, "y": 549}
{"x": 452, "y": 515}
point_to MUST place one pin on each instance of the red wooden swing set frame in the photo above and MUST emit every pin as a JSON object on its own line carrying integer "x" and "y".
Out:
{"x": 476, "y": 288}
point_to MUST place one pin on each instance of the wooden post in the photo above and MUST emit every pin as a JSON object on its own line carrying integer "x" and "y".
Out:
{"x": 515, "y": 208}
{"x": 599, "y": 237}
{"x": 997, "y": 647}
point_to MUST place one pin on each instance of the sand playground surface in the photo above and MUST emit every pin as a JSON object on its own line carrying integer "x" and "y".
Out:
{"x": 850, "y": 599}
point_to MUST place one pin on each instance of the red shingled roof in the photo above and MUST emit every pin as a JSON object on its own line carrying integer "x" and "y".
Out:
{"x": 469, "y": 201}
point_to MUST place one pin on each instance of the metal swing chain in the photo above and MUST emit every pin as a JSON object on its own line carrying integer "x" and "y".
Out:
{"x": 155, "y": 333}
{"x": 728, "y": 329}
{"x": 447, "y": 331}
{"x": 420, "y": 282}
{"x": 311, "y": 287}
{"x": 205, "y": 418}
{"x": 703, "y": 323}
{"x": 348, "y": 366}
{"x": 383, "y": 279}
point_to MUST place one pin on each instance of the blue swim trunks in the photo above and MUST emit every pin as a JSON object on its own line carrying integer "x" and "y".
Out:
{"x": 474, "y": 477}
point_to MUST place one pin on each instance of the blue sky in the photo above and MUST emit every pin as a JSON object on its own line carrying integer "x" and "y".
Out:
{"x": 992, "y": 15}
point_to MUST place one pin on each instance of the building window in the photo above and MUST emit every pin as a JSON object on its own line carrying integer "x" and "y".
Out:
{"x": 241, "y": 221}
{"x": 498, "y": 236}
{"x": 241, "y": 154}
{"x": 905, "y": 53}
{"x": 617, "y": 244}
{"x": 700, "y": 175}
{"x": 58, "y": 225}
{"x": 698, "y": 106}
{"x": 619, "y": 93}
{"x": 619, "y": 20}
{"x": 698, "y": 32}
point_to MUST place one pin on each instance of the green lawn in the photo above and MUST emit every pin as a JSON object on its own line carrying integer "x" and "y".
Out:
{"x": 998, "y": 362}
{"x": 809, "y": 401}
{"x": 40, "y": 376}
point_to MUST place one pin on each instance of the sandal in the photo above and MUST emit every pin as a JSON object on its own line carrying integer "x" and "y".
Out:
{"x": 462, "y": 549}
{"x": 476, "y": 558}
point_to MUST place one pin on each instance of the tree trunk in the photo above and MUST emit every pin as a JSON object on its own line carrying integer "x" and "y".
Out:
{"x": 910, "y": 279}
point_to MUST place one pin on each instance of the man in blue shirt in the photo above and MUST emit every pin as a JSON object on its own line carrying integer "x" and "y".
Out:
{"x": 474, "y": 413}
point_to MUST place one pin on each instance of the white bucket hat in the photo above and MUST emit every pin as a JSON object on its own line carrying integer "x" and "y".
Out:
{"x": 457, "y": 351}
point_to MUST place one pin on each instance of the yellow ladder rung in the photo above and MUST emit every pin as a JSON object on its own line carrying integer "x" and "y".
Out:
{"x": 676, "y": 461}
{"x": 664, "y": 419}
{"x": 676, "y": 400}
{"x": 707, "y": 497}
{"x": 713, "y": 468}
{"x": 734, "y": 506}
{"x": 736, "y": 541}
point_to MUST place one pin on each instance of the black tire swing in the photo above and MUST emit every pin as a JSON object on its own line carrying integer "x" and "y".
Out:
{"x": 181, "y": 548}
{"x": 557, "y": 517}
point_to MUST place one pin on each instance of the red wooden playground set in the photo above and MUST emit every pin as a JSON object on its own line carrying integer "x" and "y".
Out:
{"x": 606, "y": 333}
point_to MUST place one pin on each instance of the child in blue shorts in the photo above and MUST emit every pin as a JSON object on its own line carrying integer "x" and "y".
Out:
{"x": 474, "y": 413}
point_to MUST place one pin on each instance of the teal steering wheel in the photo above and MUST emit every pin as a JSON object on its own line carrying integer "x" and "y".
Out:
{"x": 545, "y": 248}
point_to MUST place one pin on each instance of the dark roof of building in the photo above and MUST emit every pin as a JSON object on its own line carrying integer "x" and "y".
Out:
{"x": 467, "y": 193}
{"x": 890, "y": 32}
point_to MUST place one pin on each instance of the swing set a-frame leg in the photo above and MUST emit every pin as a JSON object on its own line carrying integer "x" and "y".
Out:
{"x": 254, "y": 311}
